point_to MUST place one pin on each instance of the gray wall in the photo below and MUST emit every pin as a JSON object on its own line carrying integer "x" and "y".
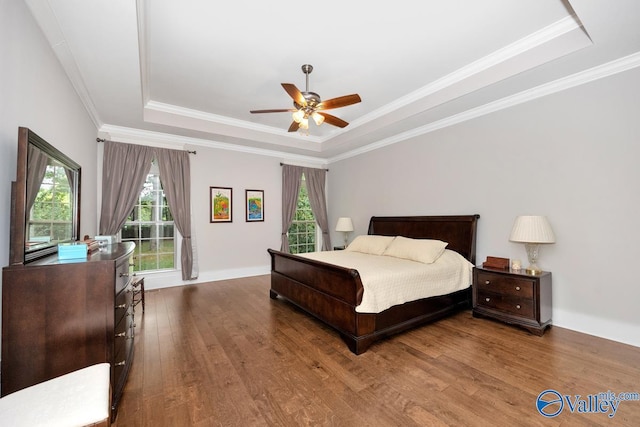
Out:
{"x": 36, "y": 93}
{"x": 572, "y": 156}
{"x": 238, "y": 248}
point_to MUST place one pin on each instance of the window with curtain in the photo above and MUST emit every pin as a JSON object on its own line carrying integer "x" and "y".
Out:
{"x": 150, "y": 226}
{"x": 51, "y": 216}
{"x": 303, "y": 231}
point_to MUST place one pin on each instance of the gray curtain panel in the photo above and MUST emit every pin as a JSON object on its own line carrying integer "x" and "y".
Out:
{"x": 175, "y": 175}
{"x": 291, "y": 176}
{"x": 318, "y": 201}
{"x": 37, "y": 161}
{"x": 125, "y": 168}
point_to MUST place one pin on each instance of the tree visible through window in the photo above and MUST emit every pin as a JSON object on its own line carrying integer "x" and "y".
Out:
{"x": 302, "y": 232}
{"x": 150, "y": 226}
{"x": 50, "y": 218}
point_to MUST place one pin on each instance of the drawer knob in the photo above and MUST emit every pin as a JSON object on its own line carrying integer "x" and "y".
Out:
{"x": 517, "y": 288}
{"x": 487, "y": 282}
{"x": 124, "y": 274}
{"x": 121, "y": 306}
{"x": 121, "y": 334}
{"x": 124, "y": 362}
{"x": 518, "y": 306}
{"x": 487, "y": 299}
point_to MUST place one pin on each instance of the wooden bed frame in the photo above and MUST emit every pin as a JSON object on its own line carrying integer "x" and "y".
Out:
{"x": 332, "y": 293}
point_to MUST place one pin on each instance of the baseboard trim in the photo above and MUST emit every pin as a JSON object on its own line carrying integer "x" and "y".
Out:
{"x": 174, "y": 278}
{"x": 614, "y": 330}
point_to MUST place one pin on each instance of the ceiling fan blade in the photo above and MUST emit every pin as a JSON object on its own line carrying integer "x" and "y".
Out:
{"x": 281, "y": 110}
{"x": 333, "y": 120}
{"x": 341, "y": 101}
{"x": 294, "y": 127}
{"x": 294, "y": 93}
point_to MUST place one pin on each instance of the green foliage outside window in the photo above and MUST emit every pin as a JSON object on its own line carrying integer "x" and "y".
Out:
{"x": 51, "y": 216}
{"x": 302, "y": 232}
{"x": 150, "y": 226}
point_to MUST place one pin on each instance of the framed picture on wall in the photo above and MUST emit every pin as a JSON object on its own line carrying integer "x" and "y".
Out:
{"x": 220, "y": 204}
{"x": 254, "y": 203}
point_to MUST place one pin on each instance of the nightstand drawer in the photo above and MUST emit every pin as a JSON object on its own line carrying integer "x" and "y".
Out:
{"x": 506, "y": 285}
{"x": 513, "y": 297}
{"x": 512, "y": 305}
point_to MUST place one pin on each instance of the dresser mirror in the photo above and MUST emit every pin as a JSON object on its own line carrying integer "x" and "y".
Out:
{"x": 45, "y": 199}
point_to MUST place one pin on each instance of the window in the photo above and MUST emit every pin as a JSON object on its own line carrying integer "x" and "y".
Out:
{"x": 303, "y": 230}
{"x": 150, "y": 226}
{"x": 51, "y": 215}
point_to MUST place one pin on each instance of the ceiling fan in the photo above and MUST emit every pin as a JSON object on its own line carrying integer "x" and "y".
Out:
{"x": 309, "y": 105}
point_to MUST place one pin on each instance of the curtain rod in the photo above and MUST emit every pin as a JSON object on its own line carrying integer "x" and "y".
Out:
{"x": 103, "y": 140}
{"x": 283, "y": 164}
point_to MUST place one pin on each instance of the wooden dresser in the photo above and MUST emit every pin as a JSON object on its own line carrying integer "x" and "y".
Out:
{"x": 513, "y": 297}
{"x": 62, "y": 315}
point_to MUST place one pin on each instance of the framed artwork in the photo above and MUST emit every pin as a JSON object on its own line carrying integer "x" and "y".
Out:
{"x": 254, "y": 203}
{"x": 220, "y": 202}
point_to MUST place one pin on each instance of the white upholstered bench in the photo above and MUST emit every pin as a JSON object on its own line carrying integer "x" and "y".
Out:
{"x": 79, "y": 398}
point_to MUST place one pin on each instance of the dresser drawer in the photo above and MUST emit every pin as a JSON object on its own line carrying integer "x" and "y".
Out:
{"x": 505, "y": 285}
{"x": 123, "y": 304}
{"x": 123, "y": 354}
{"x": 122, "y": 275}
{"x": 123, "y": 339}
{"x": 513, "y": 305}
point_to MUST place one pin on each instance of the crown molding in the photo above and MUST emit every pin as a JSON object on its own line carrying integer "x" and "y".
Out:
{"x": 143, "y": 58}
{"x": 165, "y": 140}
{"x": 46, "y": 19}
{"x": 583, "y": 77}
{"x": 520, "y": 47}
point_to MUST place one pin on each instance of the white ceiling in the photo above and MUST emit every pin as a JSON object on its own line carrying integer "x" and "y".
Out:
{"x": 188, "y": 72}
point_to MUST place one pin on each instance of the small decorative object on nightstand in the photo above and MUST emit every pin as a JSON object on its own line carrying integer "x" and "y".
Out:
{"x": 339, "y": 248}
{"x": 513, "y": 297}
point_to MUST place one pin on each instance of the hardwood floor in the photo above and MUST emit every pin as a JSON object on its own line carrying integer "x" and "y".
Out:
{"x": 225, "y": 354}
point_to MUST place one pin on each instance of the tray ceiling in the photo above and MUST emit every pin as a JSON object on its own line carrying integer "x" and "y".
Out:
{"x": 188, "y": 72}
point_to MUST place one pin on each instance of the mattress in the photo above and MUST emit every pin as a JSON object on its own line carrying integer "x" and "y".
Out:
{"x": 389, "y": 281}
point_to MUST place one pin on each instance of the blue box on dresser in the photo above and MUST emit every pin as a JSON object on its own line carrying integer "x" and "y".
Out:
{"x": 73, "y": 250}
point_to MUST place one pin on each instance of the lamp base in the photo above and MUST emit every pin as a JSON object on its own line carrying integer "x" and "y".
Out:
{"x": 533, "y": 271}
{"x": 532, "y": 254}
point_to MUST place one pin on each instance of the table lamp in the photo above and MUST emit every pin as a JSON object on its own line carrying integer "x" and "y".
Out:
{"x": 345, "y": 225}
{"x": 532, "y": 231}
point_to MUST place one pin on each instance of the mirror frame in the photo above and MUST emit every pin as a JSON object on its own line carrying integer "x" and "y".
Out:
{"x": 19, "y": 215}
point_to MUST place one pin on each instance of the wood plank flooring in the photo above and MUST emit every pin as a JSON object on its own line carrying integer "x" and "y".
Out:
{"x": 225, "y": 354}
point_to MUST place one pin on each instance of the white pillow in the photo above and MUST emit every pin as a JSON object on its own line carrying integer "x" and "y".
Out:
{"x": 370, "y": 244}
{"x": 422, "y": 250}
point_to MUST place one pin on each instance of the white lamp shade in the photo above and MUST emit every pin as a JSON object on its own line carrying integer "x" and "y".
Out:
{"x": 298, "y": 116}
{"x": 344, "y": 224}
{"x": 318, "y": 118}
{"x": 532, "y": 229}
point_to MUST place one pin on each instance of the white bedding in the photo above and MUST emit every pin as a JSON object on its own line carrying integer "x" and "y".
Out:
{"x": 389, "y": 281}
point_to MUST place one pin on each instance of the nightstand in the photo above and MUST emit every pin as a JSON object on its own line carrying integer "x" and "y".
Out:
{"x": 513, "y": 297}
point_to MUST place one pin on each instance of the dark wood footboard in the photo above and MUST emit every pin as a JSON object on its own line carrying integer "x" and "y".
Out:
{"x": 331, "y": 293}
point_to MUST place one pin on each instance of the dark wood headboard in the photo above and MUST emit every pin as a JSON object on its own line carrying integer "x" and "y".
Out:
{"x": 457, "y": 230}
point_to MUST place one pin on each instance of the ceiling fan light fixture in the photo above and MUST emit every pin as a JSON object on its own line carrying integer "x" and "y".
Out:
{"x": 306, "y": 103}
{"x": 298, "y": 116}
{"x": 318, "y": 118}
